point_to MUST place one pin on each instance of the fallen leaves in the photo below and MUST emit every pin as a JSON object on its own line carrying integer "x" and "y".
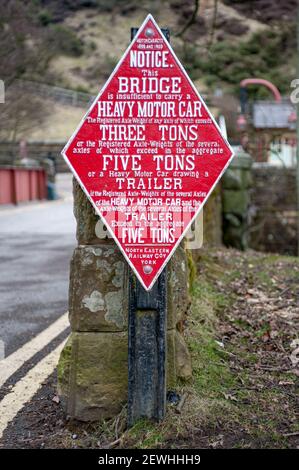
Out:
{"x": 294, "y": 357}
{"x": 229, "y": 396}
{"x": 261, "y": 325}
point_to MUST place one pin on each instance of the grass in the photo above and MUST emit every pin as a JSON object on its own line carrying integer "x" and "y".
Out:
{"x": 212, "y": 378}
{"x": 227, "y": 395}
{"x": 242, "y": 393}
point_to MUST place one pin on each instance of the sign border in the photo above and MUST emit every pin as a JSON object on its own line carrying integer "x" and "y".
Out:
{"x": 63, "y": 152}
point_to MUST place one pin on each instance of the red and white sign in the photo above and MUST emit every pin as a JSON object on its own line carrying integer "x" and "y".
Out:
{"x": 148, "y": 153}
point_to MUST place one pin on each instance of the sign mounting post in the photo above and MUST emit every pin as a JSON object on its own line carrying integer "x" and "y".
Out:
{"x": 147, "y": 154}
{"x": 147, "y": 348}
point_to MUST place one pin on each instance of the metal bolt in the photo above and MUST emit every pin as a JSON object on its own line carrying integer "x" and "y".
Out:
{"x": 147, "y": 269}
{"x": 149, "y": 32}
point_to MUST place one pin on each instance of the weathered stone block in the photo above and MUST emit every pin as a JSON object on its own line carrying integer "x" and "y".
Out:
{"x": 237, "y": 178}
{"x": 178, "y": 359}
{"x": 232, "y": 179}
{"x": 236, "y": 183}
{"x": 92, "y": 375}
{"x": 86, "y": 218}
{"x": 171, "y": 378}
{"x": 232, "y": 220}
{"x": 92, "y": 372}
{"x": 182, "y": 358}
{"x": 247, "y": 179}
{"x": 177, "y": 288}
{"x": 212, "y": 223}
{"x": 98, "y": 289}
{"x": 235, "y": 201}
{"x": 236, "y": 236}
{"x": 98, "y": 294}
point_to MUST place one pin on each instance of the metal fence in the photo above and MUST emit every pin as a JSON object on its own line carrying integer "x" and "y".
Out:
{"x": 55, "y": 93}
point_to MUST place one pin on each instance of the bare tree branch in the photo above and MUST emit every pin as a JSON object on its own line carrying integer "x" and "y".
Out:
{"x": 213, "y": 23}
{"x": 191, "y": 20}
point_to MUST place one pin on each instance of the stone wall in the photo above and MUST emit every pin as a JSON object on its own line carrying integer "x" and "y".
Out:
{"x": 236, "y": 183}
{"x": 273, "y": 225}
{"x": 212, "y": 219}
{"x": 92, "y": 371}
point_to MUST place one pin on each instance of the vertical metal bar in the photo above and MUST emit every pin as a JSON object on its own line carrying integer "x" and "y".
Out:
{"x": 147, "y": 350}
{"x": 147, "y": 343}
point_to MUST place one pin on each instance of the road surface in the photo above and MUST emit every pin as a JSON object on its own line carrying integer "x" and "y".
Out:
{"x": 36, "y": 243}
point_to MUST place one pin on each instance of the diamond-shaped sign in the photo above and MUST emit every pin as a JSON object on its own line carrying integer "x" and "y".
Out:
{"x": 148, "y": 153}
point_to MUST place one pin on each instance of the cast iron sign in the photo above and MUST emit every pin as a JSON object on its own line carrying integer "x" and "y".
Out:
{"x": 148, "y": 153}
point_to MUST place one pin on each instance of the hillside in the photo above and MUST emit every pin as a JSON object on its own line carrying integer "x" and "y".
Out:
{"x": 237, "y": 40}
{"x": 76, "y": 45}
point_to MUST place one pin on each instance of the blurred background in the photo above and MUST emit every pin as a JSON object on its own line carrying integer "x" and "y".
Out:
{"x": 242, "y": 327}
{"x": 241, "y": 55}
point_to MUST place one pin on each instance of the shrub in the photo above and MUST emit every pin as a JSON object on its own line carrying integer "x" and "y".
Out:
{"x": 45, "y": 17}
{"x": 65, "y": 41}
{"x": 264, "y": 55}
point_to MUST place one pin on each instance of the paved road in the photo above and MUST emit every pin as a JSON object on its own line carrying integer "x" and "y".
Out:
{"x": 36, "y": 243}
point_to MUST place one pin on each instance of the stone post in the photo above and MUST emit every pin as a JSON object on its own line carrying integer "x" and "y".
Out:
{"x": 92, "y": 370}
{"x": 236, "y": 184}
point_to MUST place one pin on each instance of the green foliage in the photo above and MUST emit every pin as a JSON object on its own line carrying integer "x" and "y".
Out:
{"x": 92, "y": 46}
{"x": 45, "y": 17}
{"x": 82, "y": 89}
{"x": 65, "y": 41}
{"x": 263, "y": 55}
{"x": 102, "y": 68}
{"x": 109, "y": 5}
{"x": 192, "y": 270}
{"x": 210, "y": 372}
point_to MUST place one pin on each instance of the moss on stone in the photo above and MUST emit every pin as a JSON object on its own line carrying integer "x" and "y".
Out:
{"x": 191, "y": 270}
{"x": 64, "y": 361}
{"x": 212, "y": 228}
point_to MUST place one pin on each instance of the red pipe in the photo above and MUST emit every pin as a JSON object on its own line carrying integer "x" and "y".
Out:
{"x": 266, "y": 83}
